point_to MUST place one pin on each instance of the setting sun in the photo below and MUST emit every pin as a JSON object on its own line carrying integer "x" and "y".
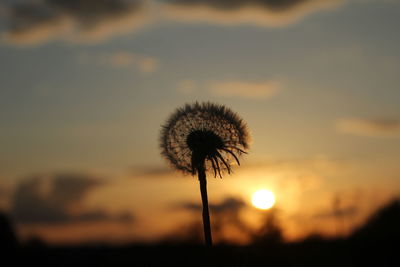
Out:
{"x": 263, "y": 199}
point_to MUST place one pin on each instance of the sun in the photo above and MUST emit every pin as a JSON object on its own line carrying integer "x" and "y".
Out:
{"x": 263, "y": 199}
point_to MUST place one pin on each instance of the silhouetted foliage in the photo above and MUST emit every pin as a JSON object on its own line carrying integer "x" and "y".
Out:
{"x": 373, "y": 244}
{"x": 187, "y": 234}
{"x": 376, "y": 243}
{"x": 8, "y": 240}
{"x": 270, "y": 232}
{"x": 384, "y": 224}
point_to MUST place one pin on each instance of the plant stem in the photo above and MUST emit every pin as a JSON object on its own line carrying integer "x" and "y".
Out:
{"x": 206, "y": 216}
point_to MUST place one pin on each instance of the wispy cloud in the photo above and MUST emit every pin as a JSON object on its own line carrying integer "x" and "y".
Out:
{"x": 147, "y": 64}
{"x": 118, "y": 59}
{"x": 269, "y": 13}
{"x": 297, "y": 166}
{"x": 252, "y": 90}
{"x": 381, "y": 127}
{"x": 152, "y": 172}
{"x": 187, "y": 87}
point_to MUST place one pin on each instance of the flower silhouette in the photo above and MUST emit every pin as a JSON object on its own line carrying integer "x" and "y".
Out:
{"x": 204, "y": 133}
{"x": 202, "y": 137}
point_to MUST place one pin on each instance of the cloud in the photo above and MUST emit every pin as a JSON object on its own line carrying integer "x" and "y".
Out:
{"x": 252, "y": 90}
{"x": 227, "y": 224}
{"x": 187, "y": 87}
{"x": 228, "y": 205}
{"x": 57, "y": 199}
{"x": 119, "y": 59}
{"x": 3, "y": 10}
{"x": 96, "y": 216}
{"x": 302, "y": 168}
{"x": 148, "y": 64}
{"x": 89, "y": 21}
{"x": 383, "y": 127}
{"x": 152, "y": 171}
{"x": 270, "y": 13}
{"x": 35, "y": 22}
{"x": 5, "y": 193}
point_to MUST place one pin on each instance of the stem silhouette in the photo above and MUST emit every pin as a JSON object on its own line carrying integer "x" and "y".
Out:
{"x": 204, "y": 199}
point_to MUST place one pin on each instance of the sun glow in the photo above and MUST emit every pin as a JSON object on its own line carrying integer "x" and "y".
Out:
{"x": 263, "y": 199}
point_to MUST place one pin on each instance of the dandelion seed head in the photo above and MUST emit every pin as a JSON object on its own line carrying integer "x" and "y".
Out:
{"x": 206, "y": 134}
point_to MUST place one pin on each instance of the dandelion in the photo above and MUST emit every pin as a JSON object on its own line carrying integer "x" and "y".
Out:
{"x": 201, "y": 138}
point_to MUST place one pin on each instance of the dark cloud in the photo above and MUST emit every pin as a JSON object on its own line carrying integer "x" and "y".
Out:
{"x": 52, "y": 199}
{"x": 260, "y": 12}
{"x": 227, "y": 222}
{"x": 228, "y": 205}
{"x": 95, "y": 216}
{"x": 225, "y": 217}
{"x": 3, "y": 10}
{"x": 5, "y": 192}
{"x": 31, "y": 22}
{"x": 236, "y": 4}
{"x": 152, "y": 171}
{"x": 227, "y": 212}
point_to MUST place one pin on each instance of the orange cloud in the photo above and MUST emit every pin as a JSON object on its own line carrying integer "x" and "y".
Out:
{"x": 187, "y": 86}
{"x": 383, "y": 127}
{"x": 254, "y": 90}
{"x": 147, "y": 64}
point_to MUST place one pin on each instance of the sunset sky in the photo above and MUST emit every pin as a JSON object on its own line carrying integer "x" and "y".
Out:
{"x": 85, "y": 86}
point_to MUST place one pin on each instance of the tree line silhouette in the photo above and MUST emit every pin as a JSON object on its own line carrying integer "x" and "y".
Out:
{"x": 376, "y": 242}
